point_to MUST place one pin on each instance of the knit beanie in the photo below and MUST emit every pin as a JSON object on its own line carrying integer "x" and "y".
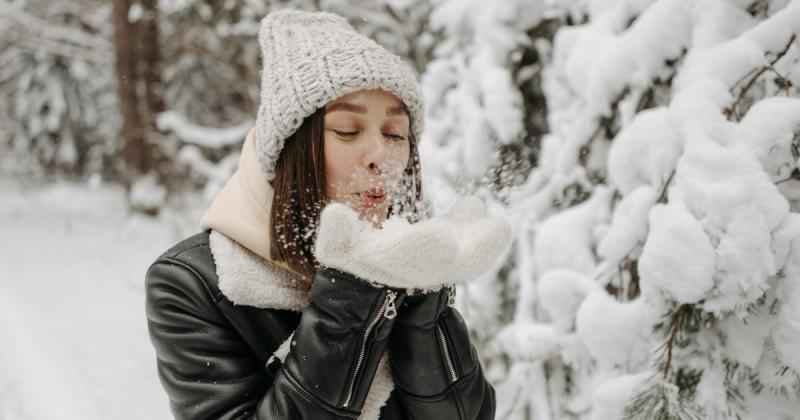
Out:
{"x": 312, "y": 58}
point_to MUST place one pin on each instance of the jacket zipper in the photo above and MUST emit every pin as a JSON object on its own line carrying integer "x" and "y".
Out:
{"x": 387, "y": 310}
{"x": 446, "y": 351}
{"x": 443, "y": 338}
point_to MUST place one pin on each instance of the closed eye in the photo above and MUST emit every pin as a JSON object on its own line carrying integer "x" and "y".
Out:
{"x": 346, "y": 133}
{"x": 396, "y": 136}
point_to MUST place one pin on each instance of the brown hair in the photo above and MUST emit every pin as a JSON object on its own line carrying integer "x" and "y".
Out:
{"x": 300, "y": 194}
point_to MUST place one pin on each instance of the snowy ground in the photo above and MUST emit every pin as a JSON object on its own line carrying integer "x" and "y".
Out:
{"x": 73, "y": 335}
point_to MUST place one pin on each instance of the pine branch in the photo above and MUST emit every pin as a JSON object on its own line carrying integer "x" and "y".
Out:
{"x": 677, "y": 321}
{"x": 662, "y": 197}
{"x": 794, "y": 175}
{"x": 632, "y": 266}
{"x": 603, "y": 123}
{"x": 660, "y": 400}
{"x": 730, "y": 111}
{"x": 680, "y": 327}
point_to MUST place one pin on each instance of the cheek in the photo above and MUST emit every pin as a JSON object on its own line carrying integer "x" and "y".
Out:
{"x": 338, "y": 166}
{"x": 402, "y": 160}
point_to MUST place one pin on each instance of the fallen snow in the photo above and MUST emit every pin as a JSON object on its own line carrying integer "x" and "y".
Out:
{"x": 72, "y": 321}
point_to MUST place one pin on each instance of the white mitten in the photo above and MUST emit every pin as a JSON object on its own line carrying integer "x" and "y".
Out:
{"x": 481, "y": 237}
{"x": 454, "y": 247}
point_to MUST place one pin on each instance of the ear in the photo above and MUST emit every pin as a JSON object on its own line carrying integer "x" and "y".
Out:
{"x": 337, "y": 225}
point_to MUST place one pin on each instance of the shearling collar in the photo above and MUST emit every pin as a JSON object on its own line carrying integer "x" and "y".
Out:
{"x": 248, "y": 279}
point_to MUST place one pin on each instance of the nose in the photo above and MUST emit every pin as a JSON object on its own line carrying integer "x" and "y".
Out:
{"x": 376, "y": 154}
{"x": 374, "y": 168}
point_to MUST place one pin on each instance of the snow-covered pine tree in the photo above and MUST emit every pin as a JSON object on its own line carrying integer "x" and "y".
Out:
{"x": 58, "y": 95}
{"x": 672, "y": 291}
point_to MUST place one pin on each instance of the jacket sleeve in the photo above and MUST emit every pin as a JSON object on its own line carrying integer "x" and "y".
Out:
{"x": 435, "y": 366}
{"x": 208, "y": 371}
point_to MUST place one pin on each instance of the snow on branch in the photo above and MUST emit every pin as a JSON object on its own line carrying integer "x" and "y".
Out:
{"x": 210, "y": 137}
{"x": 30, "y": 30}
{"x": 730, "y": 111}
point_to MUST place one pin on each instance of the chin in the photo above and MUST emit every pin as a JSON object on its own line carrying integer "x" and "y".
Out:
{"x": 373, "y": 213}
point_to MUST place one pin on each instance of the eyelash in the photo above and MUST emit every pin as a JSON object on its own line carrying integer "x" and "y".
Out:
{"x": 353, "y": 133}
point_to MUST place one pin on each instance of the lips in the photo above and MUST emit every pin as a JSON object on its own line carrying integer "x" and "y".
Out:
{"x": 372, "y": 197}
{"x": 374, "y": 192}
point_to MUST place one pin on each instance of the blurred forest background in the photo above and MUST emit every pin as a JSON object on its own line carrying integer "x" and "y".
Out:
{"x": 647, "y": 153}
{"x": 157, "y": 95}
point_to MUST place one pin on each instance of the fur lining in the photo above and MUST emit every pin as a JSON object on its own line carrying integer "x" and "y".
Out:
{"x": 245, "y": 278}
{"x": 382, "y": 386}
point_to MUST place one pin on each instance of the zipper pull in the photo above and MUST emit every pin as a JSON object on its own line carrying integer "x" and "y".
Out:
{"x": 391, "y": 310}
{"x": 451, "y": 296}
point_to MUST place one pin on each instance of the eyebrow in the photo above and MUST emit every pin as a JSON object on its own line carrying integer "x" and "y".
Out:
{"x": 361, "y": 109}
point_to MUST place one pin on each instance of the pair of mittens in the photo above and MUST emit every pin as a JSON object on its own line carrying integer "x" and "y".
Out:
{"x": 451, "y": 248}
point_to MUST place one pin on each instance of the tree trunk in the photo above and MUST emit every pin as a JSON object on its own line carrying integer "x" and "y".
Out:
{"x": 150, "y": 56}
{"x": 136, "y": 154}
{"x": 151, "y": 60}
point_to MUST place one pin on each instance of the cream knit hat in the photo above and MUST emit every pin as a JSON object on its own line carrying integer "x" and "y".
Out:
{"x": 312, "y": 58}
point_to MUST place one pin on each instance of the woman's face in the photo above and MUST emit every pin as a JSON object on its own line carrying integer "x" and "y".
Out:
{"x": 366, "y": 151}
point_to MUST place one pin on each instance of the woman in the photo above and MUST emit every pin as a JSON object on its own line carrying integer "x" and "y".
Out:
{"x": 302, "y": 298}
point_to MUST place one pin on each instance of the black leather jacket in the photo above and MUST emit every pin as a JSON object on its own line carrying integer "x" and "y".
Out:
{"x": 214, "y": 358}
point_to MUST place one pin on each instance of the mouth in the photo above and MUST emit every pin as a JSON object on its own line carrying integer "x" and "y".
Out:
{"x": 372, "y": 197}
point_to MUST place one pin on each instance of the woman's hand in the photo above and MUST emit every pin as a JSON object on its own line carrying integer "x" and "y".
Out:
{"x": 454, "y": 247}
